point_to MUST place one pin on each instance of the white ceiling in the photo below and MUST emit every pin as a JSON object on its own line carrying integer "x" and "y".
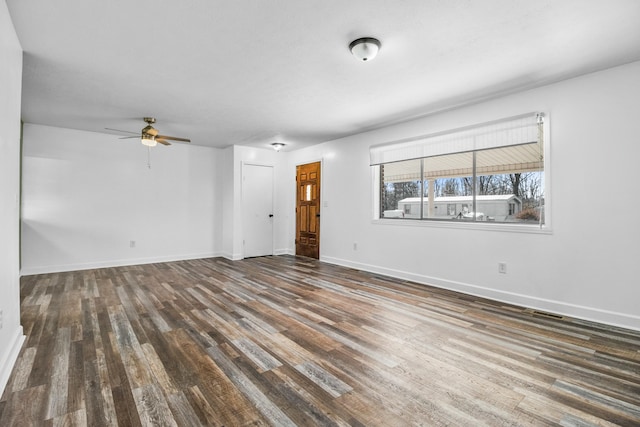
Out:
{"x": 252, "y": 72}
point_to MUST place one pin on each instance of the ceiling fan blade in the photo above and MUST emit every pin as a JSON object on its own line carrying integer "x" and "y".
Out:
{"x": 129, "y": 137}
{"x": 173, "y": 138}
{"x": 123, "y": 131}
{"x": 162, "y": 141}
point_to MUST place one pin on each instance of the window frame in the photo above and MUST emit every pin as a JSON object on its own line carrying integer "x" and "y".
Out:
{"x": 544, "y": 228}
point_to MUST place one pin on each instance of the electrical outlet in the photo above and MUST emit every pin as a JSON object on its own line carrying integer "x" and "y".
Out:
{"x": 502, "y": 267}
{"x": 132, "y": 243}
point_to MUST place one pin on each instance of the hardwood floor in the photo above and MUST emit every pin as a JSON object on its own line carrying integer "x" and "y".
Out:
{"x": 291, "y": 341}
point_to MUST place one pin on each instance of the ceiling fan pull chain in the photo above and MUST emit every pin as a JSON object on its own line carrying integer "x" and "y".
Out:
{"x": 149, "y": 157}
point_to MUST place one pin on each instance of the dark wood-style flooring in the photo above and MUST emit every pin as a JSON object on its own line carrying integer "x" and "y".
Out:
{"x": 289, "y": 341}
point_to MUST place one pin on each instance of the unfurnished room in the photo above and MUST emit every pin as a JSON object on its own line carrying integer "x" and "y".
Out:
{"x": 319, "y": 213}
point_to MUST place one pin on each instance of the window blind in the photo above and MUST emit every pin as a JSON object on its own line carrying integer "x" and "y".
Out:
{"x": 511, "y": 131}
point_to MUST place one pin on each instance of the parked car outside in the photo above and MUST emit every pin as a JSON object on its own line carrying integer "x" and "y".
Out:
{"x": 393, "y": 213}
{"x": 470, "y": 215}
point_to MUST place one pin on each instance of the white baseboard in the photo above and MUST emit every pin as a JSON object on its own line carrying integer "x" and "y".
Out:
{"x": 237, "y": 257}
{"x": 231, "y": 256}
{"x": 283, "y": 252}
{"x": 27, "y": 271}
{"x": 593, "y": 314}
{"x": 9, "y": 357}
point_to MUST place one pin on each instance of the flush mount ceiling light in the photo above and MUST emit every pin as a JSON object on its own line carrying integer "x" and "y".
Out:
{"x": 277, "y": 146}
{"x": 365, "y": 48}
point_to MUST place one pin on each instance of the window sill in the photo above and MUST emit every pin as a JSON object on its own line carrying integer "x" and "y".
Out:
{"x": 486, "y": 226}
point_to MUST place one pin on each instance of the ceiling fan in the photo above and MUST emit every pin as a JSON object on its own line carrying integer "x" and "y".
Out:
{"x": 150, "y": 136}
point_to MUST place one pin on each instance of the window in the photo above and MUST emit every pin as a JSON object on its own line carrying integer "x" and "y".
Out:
{"x": 492, "y": 172}
{"x": 401, "y": 185}
{"x": 307, "y": 196}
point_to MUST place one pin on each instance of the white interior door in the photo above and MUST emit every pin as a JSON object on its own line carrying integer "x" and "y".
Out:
{"x": 257, "y": 210}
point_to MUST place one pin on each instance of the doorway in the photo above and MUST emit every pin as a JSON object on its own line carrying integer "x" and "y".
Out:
{"x": 308, "y": 210}
{"x": 257, "y": 210}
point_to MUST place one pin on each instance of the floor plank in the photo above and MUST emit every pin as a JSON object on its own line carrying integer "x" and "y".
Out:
{"x": 292, "y": 341}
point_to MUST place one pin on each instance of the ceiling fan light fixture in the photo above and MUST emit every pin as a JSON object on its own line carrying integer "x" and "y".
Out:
{"x": 365, "y": 48}
{"x": 277, "y": 146}
{"x": 148, "y": 140}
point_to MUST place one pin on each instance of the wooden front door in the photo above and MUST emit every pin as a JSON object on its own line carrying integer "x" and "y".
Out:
{"x": 308, "y": 210}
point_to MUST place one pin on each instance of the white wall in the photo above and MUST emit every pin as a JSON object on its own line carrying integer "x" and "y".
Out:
{"x": 586, "y": 267}
{"x": 87, "y": 195}
{"x": 10, "y": 92}
{"x": 228, "y": 210}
